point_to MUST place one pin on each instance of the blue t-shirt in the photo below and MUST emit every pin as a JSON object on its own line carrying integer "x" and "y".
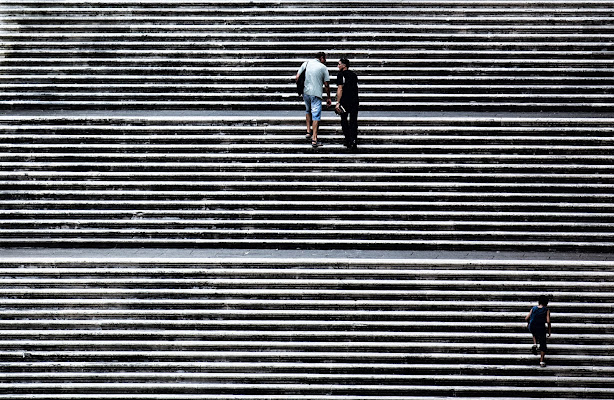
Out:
{"x": 537, "y": 321}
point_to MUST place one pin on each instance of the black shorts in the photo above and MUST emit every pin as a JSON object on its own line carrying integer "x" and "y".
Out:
{"x": 541, "y": 339}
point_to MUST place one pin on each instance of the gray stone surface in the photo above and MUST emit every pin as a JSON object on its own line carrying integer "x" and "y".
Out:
{"x": 298, "y": 112}
{"x": 272, "y": 253}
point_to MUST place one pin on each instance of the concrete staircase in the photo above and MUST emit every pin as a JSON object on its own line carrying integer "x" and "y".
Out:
{"x": 301, "y": 329}
{"x": 410, "y": 55}
{"x": 424, "y": 182}
{"x": 227, "y": 166}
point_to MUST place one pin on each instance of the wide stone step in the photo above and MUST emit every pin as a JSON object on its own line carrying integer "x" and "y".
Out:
{"x": 207, "y": 210}
{"x": 289, "y": 101}
{"x": 411, "y": 174}
{"x": 184, "y": 82}
{"x": 476, "y": 242}
{"x": 367, "y": 57}
{"x": 386, "y": 24}
{"x": 335, "y": 238}
{"x": 416, "y": 102}
{"x": 500, "y": 25}
{"x": 18, "y": 225}
{"x": 89, "y": 210}
{"x": 270, "y": 33}
{"x": 264, "y": 390}
{"x": 59, "y": 142}
{"x": 369, "y": 67}
{"x": 194, "y": 90}
{"x": 468, "y": 106}
{"x": 441, "y": 42}
{"x": 291, "y": 6}
{"x": 162, "y": 129}
{"x": 258, "y": 122}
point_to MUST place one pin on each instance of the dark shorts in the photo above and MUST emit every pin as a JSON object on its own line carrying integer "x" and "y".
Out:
{"x": 541, "y": 339}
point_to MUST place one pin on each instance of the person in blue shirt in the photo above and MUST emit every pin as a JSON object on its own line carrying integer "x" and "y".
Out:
{"x": 537, "y": 319}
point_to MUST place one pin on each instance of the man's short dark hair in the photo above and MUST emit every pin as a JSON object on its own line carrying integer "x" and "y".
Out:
{"x": 543, "y": 300}
{"x": 345, "y": 61}
{"x": 320, "y": 54}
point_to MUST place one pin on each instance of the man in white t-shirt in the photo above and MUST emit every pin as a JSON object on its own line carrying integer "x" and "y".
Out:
{"x": 316, "y": 76}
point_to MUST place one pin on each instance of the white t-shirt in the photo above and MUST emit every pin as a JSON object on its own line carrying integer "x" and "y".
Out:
{"x": 316, "y": 75}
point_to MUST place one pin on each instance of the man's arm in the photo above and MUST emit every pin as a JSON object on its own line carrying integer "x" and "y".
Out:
{"x": 328, "y": 100}
{"x": 528, "y": 315}
{"x": 549, "y": 324}
{"x": 300, "y": 71}
{"x": 339, "y": 96}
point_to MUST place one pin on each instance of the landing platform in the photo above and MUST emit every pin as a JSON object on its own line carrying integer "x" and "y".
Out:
{"x": 149, "y": 253}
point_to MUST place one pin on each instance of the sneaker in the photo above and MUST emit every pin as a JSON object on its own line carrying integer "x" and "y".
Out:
{"x": 542, "y": 364}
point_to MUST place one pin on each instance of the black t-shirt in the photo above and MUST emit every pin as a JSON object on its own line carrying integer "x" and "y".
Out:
{"x": 349, "y": 80}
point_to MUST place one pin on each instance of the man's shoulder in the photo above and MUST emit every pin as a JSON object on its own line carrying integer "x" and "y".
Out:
{"x": 315, "y": 65}
{"x": 347, "y": 73}
{"x": 350, "y": 77}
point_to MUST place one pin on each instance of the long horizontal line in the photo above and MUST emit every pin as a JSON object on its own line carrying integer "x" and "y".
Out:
{"x": 202, "y": 203}
{"x": 370, "y": 54}
{"x": 244, "y": 192}
{"x": 293, "y": 24}
{"x": 127, "y": 224}
{"x": 298, "y": 293}
{"x": 249, "y": 70}
{"x": 289, "y": 79}
{"x": 50, "y": 241}
{"x": 267, "y": 105}
{"x": 30, "y": 19}
{"x": 227, "y": 98}
{"x": 290, "y": 44}
{"x": 87, "y": 303}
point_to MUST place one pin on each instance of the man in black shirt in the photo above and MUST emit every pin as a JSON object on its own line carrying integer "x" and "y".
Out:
{"x": 347, "y": 102}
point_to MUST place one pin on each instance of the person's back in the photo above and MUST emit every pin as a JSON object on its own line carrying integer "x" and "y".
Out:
{"x": 315, "y": 76}
{"x": 538, "y": 319}
{"x": 349, "y": 80}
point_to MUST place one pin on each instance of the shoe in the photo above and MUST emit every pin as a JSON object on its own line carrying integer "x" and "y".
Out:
{"x": 534, "y": 350}
{"x": 315, "y": 144}
{"x": 308, "y": 135}
{"x": 542, "y": 364}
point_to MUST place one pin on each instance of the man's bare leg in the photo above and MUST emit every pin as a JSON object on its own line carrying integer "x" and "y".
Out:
{"x": 308, "y": 122}
{"x": 316, "y": 124}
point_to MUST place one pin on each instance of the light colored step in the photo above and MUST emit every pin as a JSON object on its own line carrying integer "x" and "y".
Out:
{"x": 309, "y": 243}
